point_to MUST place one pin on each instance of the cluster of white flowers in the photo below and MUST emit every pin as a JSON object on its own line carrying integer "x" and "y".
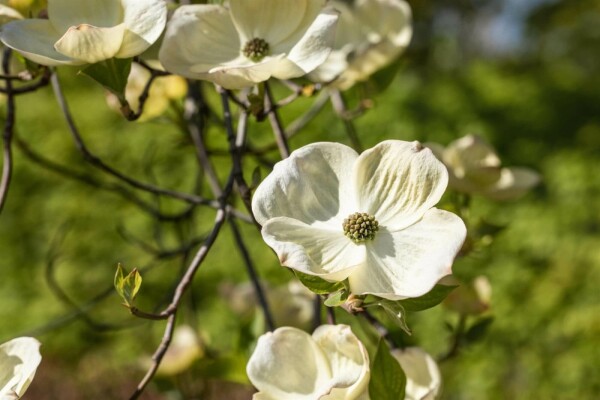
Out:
{"x": 235, "y": 45}
{"x": 367, "y": 220}
{"x": 332, "y": 364}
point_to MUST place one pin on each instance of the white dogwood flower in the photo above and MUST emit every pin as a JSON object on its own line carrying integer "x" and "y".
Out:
{"x": 475, "y": 168}
{"x": 87, "y": 31}
{"x": 290, "y": 364}
{"x": 19, "y": 359}
{"x": 423, "y": 378}
{"x": 370, "y": 35}
{"x": 246, "y": 42}
{"x": 329, "y": 212}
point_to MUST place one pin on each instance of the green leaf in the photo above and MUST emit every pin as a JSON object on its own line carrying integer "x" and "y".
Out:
{"x": 429, "y": 300}
{"x": 127, "y": 286}
{"x": 318, "y": 285}
{"x": 383, "y": 78}
{"x": 337, "y": 298}
{"x": 388, "y": 381}
{"x": 478, "y": 330}
{"x": 112, "y": 74}
{"x": 395, "y": 311}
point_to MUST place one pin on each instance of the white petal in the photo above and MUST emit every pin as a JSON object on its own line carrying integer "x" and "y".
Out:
{"x": 314, "y": 47}
{"x": 241, "y": 70}
{"x": 423, "y": 378}
{"x": 408, "y": 263}
{"x": 472, "y": 158}
{"x": 19, "y": 359}
{"x": 288, "y": 364}
{"x": 389, "y": 19}
{"x": 90, "y": 43}
{"x": 277, "y": 22}
{"x": 324, "y": 252}
{"x": 64, "y": 14}
{"x": 34, "y": 39}
{"x": 399, "y": 181}
{"x": 348, "y": 359}
{"x": 145, "y": 21}
{"x": 215, "y": 40}
{"x": 333, "y": 66}
{"x": 8, "y": 14}
{"x": 513, "y": 183}
{"x": 313, "y": 184}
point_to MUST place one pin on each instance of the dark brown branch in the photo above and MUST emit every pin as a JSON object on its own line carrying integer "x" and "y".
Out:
{"x": 339, "y": 105}
{"x": 236, "y": 149}
{"x": 156, "y": 357}
{"x": 44, "y": 81}
{"x": 92, "y": 181}
{"x": 253, "y": 275}
{"x": 98, "y": 163}
{"x": 9, "y": 126}
{"x": 154, "y": 74}
{"x": 276, "y": 125}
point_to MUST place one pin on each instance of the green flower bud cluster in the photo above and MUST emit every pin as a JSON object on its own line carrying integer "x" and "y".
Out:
{"x": 256, "y": 49}
{"x": 360, "y": 227}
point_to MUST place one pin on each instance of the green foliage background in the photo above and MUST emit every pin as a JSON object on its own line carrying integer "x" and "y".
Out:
{"x": 538, "y": 102}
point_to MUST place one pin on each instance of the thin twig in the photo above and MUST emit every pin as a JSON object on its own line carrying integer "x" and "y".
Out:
{"x": 92, "y": 181}
{"x": 251, "y": 269}
{"x": 195, "y": 124}
{"x": 44, "y": 80}
{"x": 236, "y": 149}
{"x": 156, "y": 357}
{"x": 98, "y": 163}
{"x": 9, "y": 126}
{"x": 339, "y": 105}
{"x": 276, "y": 125}
{"x": 298, "y": 124}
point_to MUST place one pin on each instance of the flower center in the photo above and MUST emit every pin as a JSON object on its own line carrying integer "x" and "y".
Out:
{"x": 256, "y": 49}
{"x": 360, "y": 227}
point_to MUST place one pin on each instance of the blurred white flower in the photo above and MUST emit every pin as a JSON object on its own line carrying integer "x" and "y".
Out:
{"x": 370, "y": 35}
{"x": 475, "y": 168}
{"x": 291, "y": 304}
{"x": 163, "y": 91}
{"x": 471, "y": 297}
{"x": 288, "y": 363}
{"x": 19, "y": 359}
{"x": 87, "y": 31}
{"x": 186, "y": 347}
{"x": 423, "y": 378}
{"x": 329, "y": 212}
{"x": 246, "y": 42}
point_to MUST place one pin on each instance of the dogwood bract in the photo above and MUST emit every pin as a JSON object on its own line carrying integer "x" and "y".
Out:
{"x": 290, "y": 364}
{"x": 369, "y": 36}
{"x": 475, "y": 168}
{"x": 423, "y": 378}
{"x": 19, "y": 359}
{"x": 247, "y": 42}
{"x": 329, "y": 212}
{"x": 87, "y": 31}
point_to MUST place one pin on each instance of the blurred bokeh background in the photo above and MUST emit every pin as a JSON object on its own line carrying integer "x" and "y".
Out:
{"x": 521, "y": 73}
